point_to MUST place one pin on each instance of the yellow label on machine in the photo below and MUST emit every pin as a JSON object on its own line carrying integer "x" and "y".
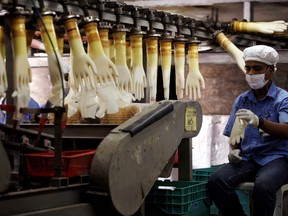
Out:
{"x": 190, "y": 119}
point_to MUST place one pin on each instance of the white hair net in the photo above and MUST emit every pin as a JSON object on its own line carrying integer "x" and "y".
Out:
{"x": 261, "y": 53}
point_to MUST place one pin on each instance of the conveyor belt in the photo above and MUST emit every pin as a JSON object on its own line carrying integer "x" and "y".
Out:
{"x": 133, "y": 155}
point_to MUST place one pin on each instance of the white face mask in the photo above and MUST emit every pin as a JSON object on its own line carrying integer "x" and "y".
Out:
{"x": 256, "y": 81}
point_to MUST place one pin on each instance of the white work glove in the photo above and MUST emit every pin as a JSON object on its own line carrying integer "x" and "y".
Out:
{"x": 248, "y": 116}
{"x": 238, "y": 131}
{"x": 261, "y": 27}
{"x": 234, "y": 156}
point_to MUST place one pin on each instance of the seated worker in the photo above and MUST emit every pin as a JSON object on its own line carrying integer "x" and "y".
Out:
{"x": 27, "y": 117}
{"x": 261, "y": 156}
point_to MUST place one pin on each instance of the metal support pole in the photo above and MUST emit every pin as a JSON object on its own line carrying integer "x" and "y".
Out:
{"x": 185, "y": 160}
{"x": 58, "y": 141}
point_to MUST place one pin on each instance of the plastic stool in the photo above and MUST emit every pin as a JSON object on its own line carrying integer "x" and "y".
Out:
{"x": 281, "y": 208}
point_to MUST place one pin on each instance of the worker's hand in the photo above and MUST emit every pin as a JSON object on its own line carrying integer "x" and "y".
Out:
{"x": 234, "y": 156}
{"x": 248, "y": 116}
{"x": 238, "y": 131}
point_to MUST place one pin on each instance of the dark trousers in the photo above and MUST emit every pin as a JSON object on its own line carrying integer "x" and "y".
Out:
{"x": 267, "y": 180}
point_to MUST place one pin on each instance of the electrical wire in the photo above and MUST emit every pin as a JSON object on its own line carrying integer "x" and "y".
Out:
{"x": 53, "y": 47}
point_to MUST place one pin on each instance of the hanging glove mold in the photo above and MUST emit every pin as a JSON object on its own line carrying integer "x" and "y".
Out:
{"x": 3, "y": 75}
{"x": 260, "y": 27}
{"x": 179, "y": 59}
{"x": 55, "y": 63}
{"x": 82, "y": 65}
{"x": 124, "y": 79}
{"x": 22, "y": 71}
{"x": 194, "y": 80}
{"x": 166, "y": 60}
{"x": 106, "y": 69}
{"x": 152, "y": 63}
{"x": 236, "y": 53}
{"x": 137, "y": 73}
{"x": 104, "y": 37}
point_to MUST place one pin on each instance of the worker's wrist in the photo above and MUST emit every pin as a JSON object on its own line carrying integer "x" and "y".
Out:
{"x": 261, "y": 123}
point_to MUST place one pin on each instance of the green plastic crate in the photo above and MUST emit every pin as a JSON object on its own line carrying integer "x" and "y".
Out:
{"x": 176, "y": 197}
{"x": 196, "y": 208}
{"x": 203, "y": 174}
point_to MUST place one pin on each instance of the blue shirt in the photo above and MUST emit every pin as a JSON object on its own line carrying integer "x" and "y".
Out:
{"x": 260, "y": 146}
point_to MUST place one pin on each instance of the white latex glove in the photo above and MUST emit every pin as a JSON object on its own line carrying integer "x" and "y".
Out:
{"x": 22, "y": 98}
{"x": 194, "y": 80}
{"x": 57, "y": 95}
{"x": 152, "y": 65}
{"x": 71, "y": 100}
{"x": 137, "y": 73}
{"x": 248, "y": 116}
{"x": 125, "y": 98}
{"x": 56, "y": 70}
{"x": 261, "y": 27}
{"x": 3, "y": 78}
{"x": 106, "y": 69}
{"x": 108, "y": 99}
{"x": 179, "y": 57}
{"x": 234, "y": 156}
{"x": 88, "y": 104}
{"x": 235, "y": 53}
{"x": 139, "y": 82}
{"x": 83, "y": 67}
{"x": 124, "y": 78}
{"x": 238, "y": 131}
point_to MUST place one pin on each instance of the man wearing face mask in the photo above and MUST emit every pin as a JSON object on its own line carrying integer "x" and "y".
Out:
{"x": 260, "y": 156}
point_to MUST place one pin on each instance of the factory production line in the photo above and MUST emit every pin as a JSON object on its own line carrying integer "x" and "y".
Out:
{"x": 130, "y": 156}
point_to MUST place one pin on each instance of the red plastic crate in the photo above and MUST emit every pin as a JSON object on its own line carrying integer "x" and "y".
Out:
{"x": 74, "y": 163}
